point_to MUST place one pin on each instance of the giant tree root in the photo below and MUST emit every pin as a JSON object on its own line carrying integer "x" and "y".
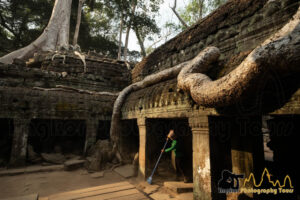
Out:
{"x": 146, "y": 82}
{"x": 281, "y": 53}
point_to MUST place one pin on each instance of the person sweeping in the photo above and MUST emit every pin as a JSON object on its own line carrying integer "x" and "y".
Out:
{"x": 179, "y": 157}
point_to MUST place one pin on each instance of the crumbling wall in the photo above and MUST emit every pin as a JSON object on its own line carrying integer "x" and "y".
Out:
{"x": 59, "y": 86}
{"x": 236, "y": 28}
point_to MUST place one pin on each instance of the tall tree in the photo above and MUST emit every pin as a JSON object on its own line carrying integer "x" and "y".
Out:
{"x": 55, "y": 34}
{"x": 80, "y": 4}
{"x": 194, "y": 11}
{"x": 143, "y": 22}
{"x": 128, "y": 28}
{"x": 120, "y": 35}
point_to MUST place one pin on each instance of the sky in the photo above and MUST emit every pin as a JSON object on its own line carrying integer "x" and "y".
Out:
{"x": 165, "y": 14}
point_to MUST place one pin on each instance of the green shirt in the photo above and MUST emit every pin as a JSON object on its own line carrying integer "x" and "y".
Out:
{"x": 176, "y": 147}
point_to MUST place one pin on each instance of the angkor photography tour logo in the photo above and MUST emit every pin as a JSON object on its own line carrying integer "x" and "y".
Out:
{"x": 229, "y": 182}
{"x": 233, "y": 183}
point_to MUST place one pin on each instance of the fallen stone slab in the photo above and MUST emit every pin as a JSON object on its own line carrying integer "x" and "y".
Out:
{"x": 73, "y": 164}
{"x": 55, "y": 158}
{"x": 97, "y": 174}
{"x": 179, "y": 187}
{"x": 126, "y": 171}
{"x": 31, "y": 169}
{"x": 27, "y": 197}
{"x": 51, "y": 168}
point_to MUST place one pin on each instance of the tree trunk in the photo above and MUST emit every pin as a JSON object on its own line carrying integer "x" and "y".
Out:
{"x": 120, "y": 38}
{"x": 128, "y": 32}
{"x": 141, "y": 42}
{"x": 55, "y": 34}
{"x": 201, "y": 3}
{"x": 177, "y": 15}
{"x": 75, "y": 39}
{"x": 278, "y": 53}
{"x": 126, "y": 42}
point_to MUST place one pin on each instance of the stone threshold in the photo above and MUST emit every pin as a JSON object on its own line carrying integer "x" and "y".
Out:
{"x": 31, "y": 169}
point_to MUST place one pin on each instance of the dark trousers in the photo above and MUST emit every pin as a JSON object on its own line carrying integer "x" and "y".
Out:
{"x": 179, "y": 166}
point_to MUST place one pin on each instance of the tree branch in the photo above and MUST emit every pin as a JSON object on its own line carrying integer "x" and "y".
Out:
{"x": 177, "y": 15}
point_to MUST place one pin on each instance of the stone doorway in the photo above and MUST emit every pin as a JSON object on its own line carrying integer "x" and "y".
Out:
{"x": 156, "y": 136}
{"x": 6, "y": 136}
{"x": 129, "y": 140}
{"x": 284, "y": 131}
{"x": 62, "y": 138}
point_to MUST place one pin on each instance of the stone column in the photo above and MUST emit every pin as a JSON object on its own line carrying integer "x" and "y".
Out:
{"x": 19, "y": 143}
{"x": 247, "y": 151}
{"x": 91, "y": 133}
{"x": 142, "y": 174}
{"x": 201, "y": 158}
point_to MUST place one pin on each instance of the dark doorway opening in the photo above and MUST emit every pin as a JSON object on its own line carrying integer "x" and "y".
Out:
{"x": 129, "y": 140}
{"x": 220, "y": 130}
{"x": 57, "y": 136}
{"x": 103, "y": 130}
{"x": 6, "y": 136}
{"x": 283, "y": 141}
{"x": 157, "y": 131}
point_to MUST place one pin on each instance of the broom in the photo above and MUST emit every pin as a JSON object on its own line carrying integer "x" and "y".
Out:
{"x": 149, "y": 180}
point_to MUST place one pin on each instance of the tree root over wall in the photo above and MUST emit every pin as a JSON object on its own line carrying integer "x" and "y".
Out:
{"x": 281, "y": 52}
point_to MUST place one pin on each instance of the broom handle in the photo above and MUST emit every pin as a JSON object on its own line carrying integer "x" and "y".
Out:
{"x": 159, "y": 158}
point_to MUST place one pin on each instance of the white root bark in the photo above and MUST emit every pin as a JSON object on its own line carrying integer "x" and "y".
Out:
{"x": 278, "y": 53}
{"x": 55, "y": 34}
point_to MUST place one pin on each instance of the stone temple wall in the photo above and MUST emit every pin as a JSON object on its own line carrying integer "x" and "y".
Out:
{"x": 57, "y": 86}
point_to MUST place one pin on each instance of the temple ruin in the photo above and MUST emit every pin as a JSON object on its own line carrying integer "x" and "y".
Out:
{"x": 50, "y": 102}
{"x": 51, "y": 93}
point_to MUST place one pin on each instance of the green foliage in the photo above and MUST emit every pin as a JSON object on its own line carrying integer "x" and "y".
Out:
{"x": 197, "y": 9}
{"x": 142, "y": 20}
{"x": 21, "y": 22}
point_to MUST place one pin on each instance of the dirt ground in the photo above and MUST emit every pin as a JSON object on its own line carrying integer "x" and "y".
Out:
{"x": 47, "y": 183}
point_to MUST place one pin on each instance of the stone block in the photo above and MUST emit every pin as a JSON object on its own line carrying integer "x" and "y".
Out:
{"x": 126, "y": 171}
{"x": 179, "y": 187}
